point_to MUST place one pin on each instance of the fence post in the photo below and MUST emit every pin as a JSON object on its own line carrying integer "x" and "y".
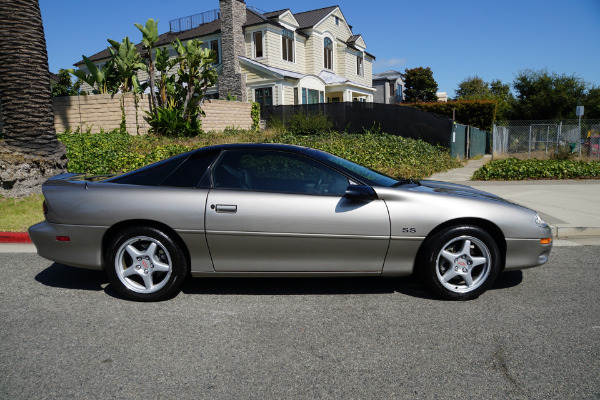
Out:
{"x": 529, "y": 144}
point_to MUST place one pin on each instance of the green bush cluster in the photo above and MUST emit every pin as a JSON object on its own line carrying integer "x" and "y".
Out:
{"x": 394, "y": 155}
{"x": 513, "y": 169}
{"x": 303, "y": 124}
{"x": 477, "y": 113}
{"x": 116, "y": 152}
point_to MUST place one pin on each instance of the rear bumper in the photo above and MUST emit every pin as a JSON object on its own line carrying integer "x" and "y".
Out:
{"x": 84, "y": 249}
{"x": 525, "y": 253}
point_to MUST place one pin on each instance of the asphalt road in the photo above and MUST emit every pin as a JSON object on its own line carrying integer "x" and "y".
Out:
{"x": 536, "y": 335}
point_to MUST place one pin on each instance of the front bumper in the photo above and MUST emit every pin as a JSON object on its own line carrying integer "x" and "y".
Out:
{"x": 525, "y": 253}
{"x": 84, "y": 249}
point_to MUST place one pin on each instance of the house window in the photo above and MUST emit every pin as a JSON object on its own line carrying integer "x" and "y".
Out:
{"x": 392, "y": 88}
{"x": 258, "y": 44}
{"x": 264, "y": 96}
{"x": 214, "y": 46}
{"x": 287, "y": 45}
{"x": 337, "y": 20}
{"x": 359, "y": 64}
{"x": 311, "y": 96}
{"x": 328, "y": 53}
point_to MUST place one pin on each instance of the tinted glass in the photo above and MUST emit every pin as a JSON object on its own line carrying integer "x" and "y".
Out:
{"x": 366, "y": 175}
{"x": 191, "y": 171}
{"x": 276, "y": 171}
{"x": 152, "y": 175}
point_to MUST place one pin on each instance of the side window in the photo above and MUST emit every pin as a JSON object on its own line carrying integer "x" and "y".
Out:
{"x": 275, "y": 171}
{"x": 192, "y": 170}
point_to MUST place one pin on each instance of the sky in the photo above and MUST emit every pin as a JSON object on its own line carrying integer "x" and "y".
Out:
{"x": 492, "y": 39}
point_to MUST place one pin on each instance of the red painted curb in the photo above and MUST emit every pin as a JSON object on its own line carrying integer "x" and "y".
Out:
{"x": 14, "y": 237}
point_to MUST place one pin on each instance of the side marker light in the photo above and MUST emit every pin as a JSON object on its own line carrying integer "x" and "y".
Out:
{"x": 63, "y": 238}
{"x": 546, "y": 241}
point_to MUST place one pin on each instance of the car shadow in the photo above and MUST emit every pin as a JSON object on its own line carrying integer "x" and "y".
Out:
{"x": 67, "y": 277}
{"x": 305, "y": 286}
{"x": 508, "y": 279}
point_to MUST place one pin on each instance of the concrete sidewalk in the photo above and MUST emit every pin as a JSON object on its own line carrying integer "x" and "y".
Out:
{"x": 571, "y": 207}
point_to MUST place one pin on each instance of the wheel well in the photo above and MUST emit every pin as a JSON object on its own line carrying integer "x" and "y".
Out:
{"x": 486, "y": 225}
{"x": 115, "y": 229}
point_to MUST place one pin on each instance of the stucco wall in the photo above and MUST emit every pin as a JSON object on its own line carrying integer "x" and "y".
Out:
{"x": 104, "y": 112}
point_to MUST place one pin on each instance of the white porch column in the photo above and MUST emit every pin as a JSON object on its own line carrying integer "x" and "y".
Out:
{"x": 347, "y": 95}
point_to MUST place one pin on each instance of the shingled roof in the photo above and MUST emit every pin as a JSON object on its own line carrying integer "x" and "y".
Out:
{"x": 306, "y": 20}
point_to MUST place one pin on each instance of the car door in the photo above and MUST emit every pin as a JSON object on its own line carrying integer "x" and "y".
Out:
{"x": 273, "y": 211}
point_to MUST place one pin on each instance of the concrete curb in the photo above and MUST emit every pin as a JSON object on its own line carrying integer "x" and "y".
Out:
{"x": 14, "y": 237}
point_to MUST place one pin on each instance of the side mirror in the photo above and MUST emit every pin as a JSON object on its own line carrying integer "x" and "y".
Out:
{"x": 360, "y": 193}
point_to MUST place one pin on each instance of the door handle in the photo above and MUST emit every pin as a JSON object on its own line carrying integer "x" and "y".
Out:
{"x": 225, "y": 208}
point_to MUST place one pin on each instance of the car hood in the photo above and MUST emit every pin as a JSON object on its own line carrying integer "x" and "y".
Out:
{"x": 456, "y": 190}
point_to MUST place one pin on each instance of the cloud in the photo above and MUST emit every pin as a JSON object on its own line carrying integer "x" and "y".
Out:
{"x": 382, "y": 63}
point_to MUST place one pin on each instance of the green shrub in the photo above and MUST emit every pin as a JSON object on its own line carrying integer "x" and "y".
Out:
{"x": 308, "y": 124}
{"x": 115, "y": 152}
{"x": 394, "y": 155}
{"x": 166, "y": 121}
{"x": 513, "y": 169}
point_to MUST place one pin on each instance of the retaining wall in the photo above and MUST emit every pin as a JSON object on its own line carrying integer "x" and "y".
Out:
{"x": 103, "y": 111}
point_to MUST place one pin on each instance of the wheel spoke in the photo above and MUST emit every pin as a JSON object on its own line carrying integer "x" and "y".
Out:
{"x": 148, "y": 281}
{"x": 151, "y": 250}
{"x": 466, "y": 249}
{"x": 160, "y": 267}
{"x": 448, "y": 256}
{"x": 133, "y": 252}
{"x": 468, "y": 279}
{"x": 478, "y": 261}
{"x": 449, "y": 274}
{"x": 129, "y": 271}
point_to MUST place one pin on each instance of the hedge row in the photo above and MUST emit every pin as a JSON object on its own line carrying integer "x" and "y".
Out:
{"x": 513, "y": 169}
{"x": 114, "y": 152}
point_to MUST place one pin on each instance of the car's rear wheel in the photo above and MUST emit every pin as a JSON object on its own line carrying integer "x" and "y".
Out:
{"x": 460, "y": 262}
{"x": 145, "y": 264}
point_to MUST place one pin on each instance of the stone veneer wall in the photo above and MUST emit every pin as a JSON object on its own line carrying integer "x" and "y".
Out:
{"x": 233, "y": 44}
{"x": 103, "y": 111}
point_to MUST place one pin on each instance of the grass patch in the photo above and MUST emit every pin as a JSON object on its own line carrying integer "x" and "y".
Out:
{"x": 18, "y": 214}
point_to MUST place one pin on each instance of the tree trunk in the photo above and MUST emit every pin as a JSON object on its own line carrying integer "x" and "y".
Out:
{"x": 25, "y": 99}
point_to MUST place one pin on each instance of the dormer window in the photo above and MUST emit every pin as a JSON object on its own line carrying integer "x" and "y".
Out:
{"x": 287, "y": 45}
{"x": 257, "y": 38}
{"x": 328, "y": 54}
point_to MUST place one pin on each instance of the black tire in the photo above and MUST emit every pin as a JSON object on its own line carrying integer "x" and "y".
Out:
{"x": 460, "y": 262}
{"x": 145, "y": 264}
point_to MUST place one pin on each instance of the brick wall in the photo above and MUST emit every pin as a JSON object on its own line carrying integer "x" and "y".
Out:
{"x": 104, "y": 111}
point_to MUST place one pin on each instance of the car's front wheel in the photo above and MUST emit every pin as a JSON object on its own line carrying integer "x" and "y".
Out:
{"x": 460, "y": 262}
{"x": 145, "y": 264}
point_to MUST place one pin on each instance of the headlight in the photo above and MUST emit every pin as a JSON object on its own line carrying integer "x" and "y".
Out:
{"x": 540, "y": 222}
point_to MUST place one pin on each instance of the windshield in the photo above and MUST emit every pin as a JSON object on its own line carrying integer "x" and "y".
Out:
{"x": 368, "y": 176}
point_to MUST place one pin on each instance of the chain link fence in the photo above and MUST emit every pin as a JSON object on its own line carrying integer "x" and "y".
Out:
{"x": 542, "y": 139}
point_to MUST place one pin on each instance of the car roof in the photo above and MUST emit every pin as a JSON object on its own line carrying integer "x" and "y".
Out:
{"x": 257, "y": 146}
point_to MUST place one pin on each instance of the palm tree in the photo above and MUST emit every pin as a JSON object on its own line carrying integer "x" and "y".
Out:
{"x": 25, "y": 99}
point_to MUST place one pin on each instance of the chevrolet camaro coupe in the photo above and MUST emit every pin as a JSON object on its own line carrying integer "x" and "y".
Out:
{"x": 257, "y": 210}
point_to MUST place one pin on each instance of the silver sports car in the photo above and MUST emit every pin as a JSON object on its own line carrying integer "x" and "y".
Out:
{"x": 278, "y": 210}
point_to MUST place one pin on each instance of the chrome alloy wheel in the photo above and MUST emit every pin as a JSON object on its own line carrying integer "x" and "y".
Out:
{"x": 463, "y": 264}
{"x": 143, "y": 264}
